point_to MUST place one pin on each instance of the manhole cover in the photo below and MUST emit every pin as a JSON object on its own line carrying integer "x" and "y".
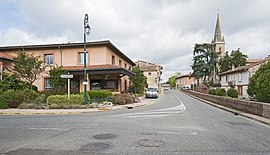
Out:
{"x": 151, "y": 143}
{"x": 148, "y": 133}
{"x": 95, "y": 147}
{"x": 105, "y": 136}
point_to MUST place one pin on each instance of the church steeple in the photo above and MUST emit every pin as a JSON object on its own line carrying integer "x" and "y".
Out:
{"x": 217, "y": 36}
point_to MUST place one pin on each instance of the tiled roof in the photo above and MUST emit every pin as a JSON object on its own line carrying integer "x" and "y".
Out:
{"x": 6, "y": 56}
{"x": 92, "y": 67}
{"x": 253, "y": 60}
{"x": 243, "y": 68}
{"x": 106, "y": 43}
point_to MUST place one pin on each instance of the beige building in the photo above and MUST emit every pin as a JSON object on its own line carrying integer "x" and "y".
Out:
{"x": 153, "y": 73}
{"x": 239, "y": 77}
{"x": 185, "y": 81}
{"x": 106, "y": 66}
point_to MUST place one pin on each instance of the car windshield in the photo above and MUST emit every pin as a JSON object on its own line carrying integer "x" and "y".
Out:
{"x": 152, "y": 89}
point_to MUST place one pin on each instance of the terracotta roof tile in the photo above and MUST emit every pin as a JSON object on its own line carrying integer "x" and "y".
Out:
{"x": 91, "y": 67}
{"x": 6, "y": 56}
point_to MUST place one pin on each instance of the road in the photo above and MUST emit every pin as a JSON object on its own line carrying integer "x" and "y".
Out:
{"x": 175, "y": 124}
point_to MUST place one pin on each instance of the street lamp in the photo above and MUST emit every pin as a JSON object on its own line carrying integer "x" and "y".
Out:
{"x": 87, "y": 30}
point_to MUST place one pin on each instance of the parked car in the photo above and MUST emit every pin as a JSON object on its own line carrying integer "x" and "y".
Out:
{"x": 151, "y": 93}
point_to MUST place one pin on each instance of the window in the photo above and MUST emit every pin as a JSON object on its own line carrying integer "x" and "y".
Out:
{"x": 226, "y": 78}
{"x": 149, "y": 74}
{"x": 240, "y": 77}
{"x": 47, "y": 84}
{"x": 81, "y": 57}
{"x": 113, "y": 60}
{"x": 125, "y": 66}
{"x": 48, "y": 59}
{"x": 120, "y": 63}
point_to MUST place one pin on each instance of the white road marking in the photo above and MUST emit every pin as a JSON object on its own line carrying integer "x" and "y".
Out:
{"x": 50, "y": 129}
{"x": 158, "y": 112}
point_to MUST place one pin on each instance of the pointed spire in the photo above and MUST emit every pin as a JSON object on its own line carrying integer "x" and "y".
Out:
{"x": 217, "y": 36}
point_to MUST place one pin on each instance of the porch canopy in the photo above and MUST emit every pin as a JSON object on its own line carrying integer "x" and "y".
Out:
{"x": 99, "y": 69}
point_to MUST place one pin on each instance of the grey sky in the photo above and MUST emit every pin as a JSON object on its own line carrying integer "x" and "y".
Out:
{"x": 162, "y": 32}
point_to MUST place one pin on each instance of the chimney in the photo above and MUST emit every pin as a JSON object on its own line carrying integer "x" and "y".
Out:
{"x": 233, "y": 67}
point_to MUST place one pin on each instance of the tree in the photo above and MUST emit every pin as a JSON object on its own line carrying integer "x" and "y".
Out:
{"x": 28, "y": 66}
{"x": 259, "y": 85}
{"x": 238, "y": 58}
{"x": 204, "y": 61}
{"x": 10, "y": 81}
{"x": 139, "y": 81}
{"x": 172, "y": 81}
{"x": 225, "y": 63}
{"x": 55, "y": 79}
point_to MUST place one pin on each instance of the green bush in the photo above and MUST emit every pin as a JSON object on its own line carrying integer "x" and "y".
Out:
{"x": 3, "y": 103}
{"x": 232, "y": 93}
{"x": 212, "y": 92}
{"x": 62, "y": 100}
{"x": 221, "y": 92}
{"x": 99, "y": 94}
{"x": 28, "y": 95}
{"x": 12, "y": 98}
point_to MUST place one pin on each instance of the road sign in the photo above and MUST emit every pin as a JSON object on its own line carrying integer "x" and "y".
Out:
{"x": 67, "y": 76}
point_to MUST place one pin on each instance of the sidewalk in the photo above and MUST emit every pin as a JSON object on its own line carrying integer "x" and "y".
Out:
{"x": 236, "y": 112}
{"x": 144, "y": 102}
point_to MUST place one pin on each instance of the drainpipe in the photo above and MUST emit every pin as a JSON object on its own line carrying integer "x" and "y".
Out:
{"x": 60, "y": 55}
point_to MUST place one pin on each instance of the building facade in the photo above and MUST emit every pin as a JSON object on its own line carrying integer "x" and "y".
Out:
{"x": 106, "y": 66}
{"x": 240, "y": 76}
{"x": 153, "y": 73}
{"x": 185, "y": 81}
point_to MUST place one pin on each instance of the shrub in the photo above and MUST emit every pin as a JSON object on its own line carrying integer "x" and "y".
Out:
{"x": 3, "y": 104}
{"x": 122, "y": 99}
{"x": 221, "y": 92}
{"x": 99, "y": 94}
{"x": 212, "y": 92}
{"x": 28, "y": 95}
{"x": 12, "y": 98}
{"x": 232, "y": 93}
{"x": 62, "y": 100}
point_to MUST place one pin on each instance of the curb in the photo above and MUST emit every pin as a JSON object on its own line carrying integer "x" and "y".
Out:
{"x": 83, "y": 111}
{"x": 235, "y": 112}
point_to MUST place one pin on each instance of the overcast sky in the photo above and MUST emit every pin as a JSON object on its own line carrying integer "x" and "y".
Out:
{"x": 159, "y": 31}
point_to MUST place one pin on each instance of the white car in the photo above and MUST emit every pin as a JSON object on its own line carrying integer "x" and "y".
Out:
{"x": 151, "y": 93}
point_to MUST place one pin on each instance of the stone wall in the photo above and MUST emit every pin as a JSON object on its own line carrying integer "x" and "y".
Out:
{"x": 257, "y": 108}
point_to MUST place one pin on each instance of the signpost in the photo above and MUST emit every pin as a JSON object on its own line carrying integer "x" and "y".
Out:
{"x": 67, "y": 76}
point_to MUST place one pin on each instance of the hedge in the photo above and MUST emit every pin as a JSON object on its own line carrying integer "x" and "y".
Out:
{"x": 122, "y": 99}
{"x": 62, "y": 100}
{"x": 221, "y": 92}
{"x": 212, "y": 92}
{"x": 99, "y": 94}
{"x": 232, "y": 93}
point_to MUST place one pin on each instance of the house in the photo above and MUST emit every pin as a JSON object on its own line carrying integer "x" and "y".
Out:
{"x": 106, "y": 66}
{"x": 153, "y": 73}
{"x": 185, "y": 81}
{"x": 239, "y": 77}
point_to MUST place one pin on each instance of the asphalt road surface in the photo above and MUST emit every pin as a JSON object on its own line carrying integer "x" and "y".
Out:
{"x": 175, "y": 124}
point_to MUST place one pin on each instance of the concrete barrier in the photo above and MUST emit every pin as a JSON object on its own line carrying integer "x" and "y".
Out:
{"x": 257, "y": 108}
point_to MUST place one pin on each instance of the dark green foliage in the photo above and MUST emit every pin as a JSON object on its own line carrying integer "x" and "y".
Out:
{"x": 55, "y": 79}
{"x": 28, "y": 95}
{"x": 259, "y": 86}
{"x": 204, "y": 61}
{"x": 221, "y": 92}
{"x": 139, "y": 82}
{"x": 232, "y": 93}
{"x": 12, "y": 98}
{"x": 172, "y": 81}
{"x": 238, "y": 58}
{"x": 3, "y": 102}
{"x": 99, "y": 94}
{"x": 225, "y": 63}
{"x": 62, "y": 100}
{"x": 28, "y": 66}
{"x": 212, "y": 92}
{"x": 11, "y": 81}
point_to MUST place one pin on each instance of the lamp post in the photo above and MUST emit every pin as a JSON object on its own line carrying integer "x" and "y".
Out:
{"x": 87, "y": 30}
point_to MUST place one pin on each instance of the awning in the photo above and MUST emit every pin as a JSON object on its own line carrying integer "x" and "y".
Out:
{"x": 99, "y": 69}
